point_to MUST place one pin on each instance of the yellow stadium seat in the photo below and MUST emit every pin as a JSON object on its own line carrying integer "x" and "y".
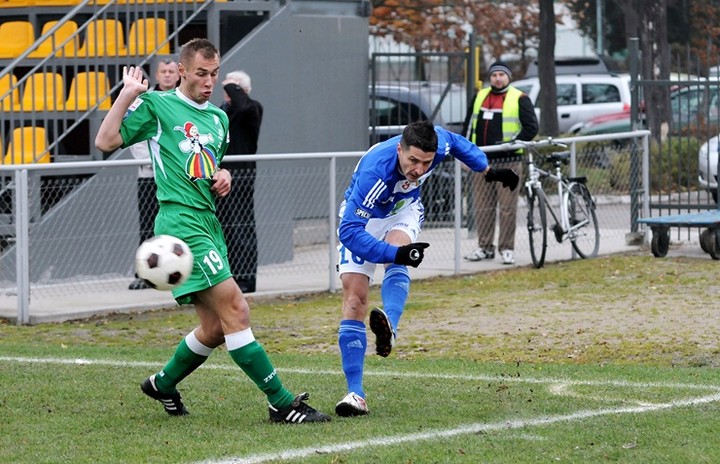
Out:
{"x": 55, "y": 2}
{"x": 15, "y": 38}
{"x": 135, "y": 2}
{"x": 27, "y": 145}
{"x": 16, "y": 3}
{"x": 103, "y": 37}
{"x": 87, "y": 89}
{"x": 61, "y": 34}
{"x": 43, "y": 92}
{"x": 146, "y": 34}
{"x": 12, "y": 101}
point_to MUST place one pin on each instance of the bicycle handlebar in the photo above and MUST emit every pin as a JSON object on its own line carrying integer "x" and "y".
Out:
{"x": 532, "y": 144}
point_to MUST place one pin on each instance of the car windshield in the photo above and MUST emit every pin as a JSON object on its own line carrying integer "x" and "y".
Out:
{"x": 453, "y": 107}
{"x": 524, "y": 88}
{"x": 689, "y": 103}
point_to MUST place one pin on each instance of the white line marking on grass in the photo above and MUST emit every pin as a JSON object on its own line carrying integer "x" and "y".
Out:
{"x": 418, "y": 375}
{"x": 463, "y": 430}
{"x": 563, "y": 389}
{"x": 428, "y": 435}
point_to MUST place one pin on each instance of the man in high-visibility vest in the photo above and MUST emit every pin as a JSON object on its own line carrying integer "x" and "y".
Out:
{"x": 500, "y": 113}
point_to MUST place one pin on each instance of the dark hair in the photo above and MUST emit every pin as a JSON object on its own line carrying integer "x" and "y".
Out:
{"x": 420, "y": 134}
{"x": 203, "y": 46}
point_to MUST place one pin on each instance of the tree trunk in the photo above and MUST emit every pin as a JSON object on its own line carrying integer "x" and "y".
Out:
{"x": 546, "y": 71}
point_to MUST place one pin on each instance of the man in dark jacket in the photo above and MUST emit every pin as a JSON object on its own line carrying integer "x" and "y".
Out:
{"x": 236, "y": 212}
{"x": 500, "y": 113}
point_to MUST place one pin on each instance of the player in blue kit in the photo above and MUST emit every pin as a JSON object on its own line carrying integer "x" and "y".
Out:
{"x": 380, "y": 219}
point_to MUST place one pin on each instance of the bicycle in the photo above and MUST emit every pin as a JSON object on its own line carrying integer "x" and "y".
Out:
{"x": 576, "y": 222}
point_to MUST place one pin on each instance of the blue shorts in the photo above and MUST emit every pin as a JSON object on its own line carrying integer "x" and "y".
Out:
{"x": 409, "y": 220}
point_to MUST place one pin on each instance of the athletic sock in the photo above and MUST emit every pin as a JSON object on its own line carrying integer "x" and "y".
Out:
{"x": 253, "y": 360}
{"x": 352, "y": 339}
{"x": 394, "y": 292}
{"x": 189, "y": 355}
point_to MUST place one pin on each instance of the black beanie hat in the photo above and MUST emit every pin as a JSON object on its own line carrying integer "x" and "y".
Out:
{"x": 500, "y": 66}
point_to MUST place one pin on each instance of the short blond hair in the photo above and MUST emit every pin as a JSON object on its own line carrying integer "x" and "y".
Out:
{"x": 241, "y": 78}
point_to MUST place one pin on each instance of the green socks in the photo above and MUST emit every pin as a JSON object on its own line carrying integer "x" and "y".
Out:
{"x": 182, "y": 364}
{"x": 244, "y": 350}
{"x": 253, "y": 360}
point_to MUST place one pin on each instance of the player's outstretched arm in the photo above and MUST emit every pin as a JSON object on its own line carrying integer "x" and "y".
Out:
{"x": 411, "y": 255}
{"x": 108, "y": 137}
{"x": 507, "y": 177}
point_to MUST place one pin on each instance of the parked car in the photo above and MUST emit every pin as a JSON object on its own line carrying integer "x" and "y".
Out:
{"x": 708, "y": 166}
{"x": 604, "y": 124}
{"x": 688, "y": 106}
{"x": 395, "y": 104}
{"x": 582, "y": 97}
{"x": 694, "y": 103}
{"x": 575, "y": 65}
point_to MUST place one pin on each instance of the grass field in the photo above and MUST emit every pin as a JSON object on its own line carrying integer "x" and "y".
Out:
{"x": 607, "y": 360}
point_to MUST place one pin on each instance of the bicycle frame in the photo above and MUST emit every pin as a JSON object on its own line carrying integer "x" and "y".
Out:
{"x": 576, "y": 220}
{"x": 535, "y": 174}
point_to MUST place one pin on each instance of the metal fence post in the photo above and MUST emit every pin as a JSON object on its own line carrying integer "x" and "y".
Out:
{"x": 635, "y": 168}
{"x": 332, "y": 223}
{"x": 22, "y": 245}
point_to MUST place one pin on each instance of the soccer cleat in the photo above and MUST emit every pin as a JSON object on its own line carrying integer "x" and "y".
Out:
{"x": 297, "y": 413}
{"x": 139, "y": 284}
{"x": 171, "y": 401}
{"x": 351, "y": 405}
{"x": 480, "y": 254}
{"x": 384, "y": 335}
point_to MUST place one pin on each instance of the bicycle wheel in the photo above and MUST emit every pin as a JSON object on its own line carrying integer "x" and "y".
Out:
{"x": 581, "y": 210}
{"x": 537, "y": 227}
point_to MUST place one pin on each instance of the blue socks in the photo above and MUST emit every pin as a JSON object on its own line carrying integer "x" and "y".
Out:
{"x": 352, "y": 339}
{"x": 395, "y": 290}
{"x": 352, "y": 335}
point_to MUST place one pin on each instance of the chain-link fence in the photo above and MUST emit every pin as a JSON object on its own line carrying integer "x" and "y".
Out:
{"x": 70, "y": 230}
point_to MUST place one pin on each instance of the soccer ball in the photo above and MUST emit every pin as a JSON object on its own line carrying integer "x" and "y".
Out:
{"x": 164, "y": 261}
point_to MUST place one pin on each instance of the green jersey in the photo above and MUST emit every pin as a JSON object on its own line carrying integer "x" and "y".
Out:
{"x": 187, "y": 142}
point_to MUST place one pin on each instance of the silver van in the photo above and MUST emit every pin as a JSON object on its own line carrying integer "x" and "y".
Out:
{"x": 582, "y": 97}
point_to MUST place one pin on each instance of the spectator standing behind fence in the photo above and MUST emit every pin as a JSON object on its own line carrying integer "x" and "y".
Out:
{"x": 167, "y": 78}
{"x": 500, "y": 113}
{"x": 237, "y": 211}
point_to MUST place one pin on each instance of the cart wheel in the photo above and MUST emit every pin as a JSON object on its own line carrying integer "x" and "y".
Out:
{"x": 714, "y": 243}
{"x": 704, "y": 237}
{"x": 660, "y": 242}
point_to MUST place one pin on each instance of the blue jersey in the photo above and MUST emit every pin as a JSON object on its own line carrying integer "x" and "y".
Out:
{"x": 378, "y": 189}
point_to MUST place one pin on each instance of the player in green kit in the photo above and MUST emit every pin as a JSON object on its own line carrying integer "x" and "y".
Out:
{"x": 188, "y": 136}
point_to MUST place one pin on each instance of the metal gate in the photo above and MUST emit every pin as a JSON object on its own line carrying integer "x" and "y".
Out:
{"x": 683, "y": 174}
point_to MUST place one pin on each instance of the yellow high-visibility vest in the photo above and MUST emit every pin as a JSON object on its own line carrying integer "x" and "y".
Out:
{"x": 510, "y": 113}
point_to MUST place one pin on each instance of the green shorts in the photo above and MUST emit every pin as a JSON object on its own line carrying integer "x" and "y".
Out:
{"x": 202, "y": 232}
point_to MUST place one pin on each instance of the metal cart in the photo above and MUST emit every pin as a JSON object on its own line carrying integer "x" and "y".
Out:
{"x": 709, "y": 238}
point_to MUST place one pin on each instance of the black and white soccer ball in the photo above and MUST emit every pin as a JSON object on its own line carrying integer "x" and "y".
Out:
{"x": 164, "y": 261}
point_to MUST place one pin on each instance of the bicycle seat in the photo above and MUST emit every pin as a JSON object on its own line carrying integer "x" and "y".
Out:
{"x": 560, "y": 157}
{"x": 579, "y": 180}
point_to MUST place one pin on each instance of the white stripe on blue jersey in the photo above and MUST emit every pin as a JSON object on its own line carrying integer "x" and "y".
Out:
{"x": 375, "y": 192}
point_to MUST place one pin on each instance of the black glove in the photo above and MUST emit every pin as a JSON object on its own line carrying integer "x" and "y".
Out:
{"x": 508, "y": 177}
{"x": 411, "y": 255}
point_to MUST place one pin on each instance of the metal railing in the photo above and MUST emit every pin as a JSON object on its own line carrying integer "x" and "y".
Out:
{"x": 66, "y": 245}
